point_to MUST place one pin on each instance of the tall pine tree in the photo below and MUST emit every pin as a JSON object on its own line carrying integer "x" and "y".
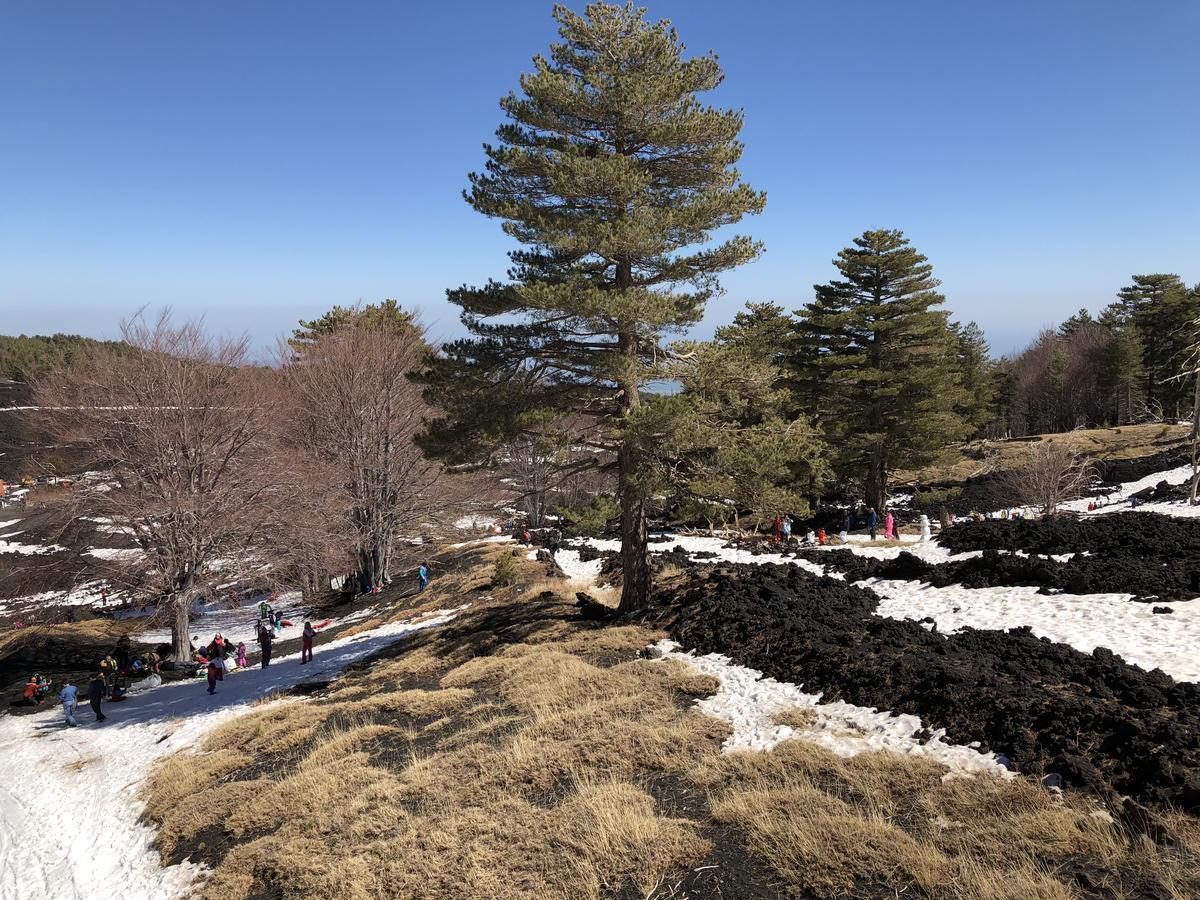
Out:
{"x": 1161, "y": 308}
{"x": 885, "y": 361}
{"x": 608, "y": 170}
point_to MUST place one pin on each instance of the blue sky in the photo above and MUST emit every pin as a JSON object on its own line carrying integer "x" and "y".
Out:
{"x": 259, "y": 162}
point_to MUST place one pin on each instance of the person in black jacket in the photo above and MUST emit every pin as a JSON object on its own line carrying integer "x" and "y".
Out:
{"x": 266, "y": 635}
{"x": 96, "y": 694}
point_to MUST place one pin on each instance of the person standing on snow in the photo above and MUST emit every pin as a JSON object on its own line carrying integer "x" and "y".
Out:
{"x": 422, "y": 577}
{"x": 306, "y": 643}
{"x": 889, "y": 526}
{"x": 265, "y": 636}
{"x": 777, "y": 529}
{"x": 96, "y": 694}
{"x": 241, "y": 654}
{"x": 872, "y": 521}
{"x": 68, "y": 695}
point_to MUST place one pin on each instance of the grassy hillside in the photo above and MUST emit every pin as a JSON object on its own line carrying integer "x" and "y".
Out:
{"x": 524, "y": 752}
{"x": 975, "y": 458}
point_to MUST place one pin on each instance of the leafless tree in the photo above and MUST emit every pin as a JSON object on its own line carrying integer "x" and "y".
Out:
{"x": 1050, "y": 475}
{"x": 348, "y": 405}
{"x": 179, "y": 443}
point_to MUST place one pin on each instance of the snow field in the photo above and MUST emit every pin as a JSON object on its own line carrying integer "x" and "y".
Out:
{"x": 750, "y": 703}
{"x": 69, "y": 807}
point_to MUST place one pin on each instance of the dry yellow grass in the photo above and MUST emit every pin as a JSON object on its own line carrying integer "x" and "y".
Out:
{"x": 805, "y": 810}
{"x": 979, "y": 457}
{"x": 524, "y": 772}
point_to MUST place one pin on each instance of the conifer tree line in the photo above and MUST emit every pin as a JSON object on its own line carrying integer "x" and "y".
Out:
{"x": 576, "y": 380}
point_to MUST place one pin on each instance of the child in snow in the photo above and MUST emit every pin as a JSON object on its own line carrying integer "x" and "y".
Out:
{"x": 422, "y": 577}
{"x": 241, "y": 654}
{"x": 278, "y": 621}
{"x": 96, "y": 694}
{"x": 809, "y": 538}
{"x": 306, "y": 643}
{"x": 215, "y": 674}
{"x": 777, "y": 529}
{"x": 68, "y": 695}
{"x": 889, "y": 527}
{"x": 821, "y": 537}
{"x": 787, "y": 528}
{"x": 30, "y": 696}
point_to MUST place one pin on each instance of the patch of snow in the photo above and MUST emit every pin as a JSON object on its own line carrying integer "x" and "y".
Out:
{"x": 494, "y": 539}
{"x": 576, "y": 569}
{"x": 750, "y": 703}
{"x": 28, "y": 549}
{"x": 1083, "y": 621}
{"x": 113, "y": 552}
{"x": 69, "y": 808}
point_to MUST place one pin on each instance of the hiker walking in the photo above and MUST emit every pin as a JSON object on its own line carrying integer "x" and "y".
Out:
{"x": 265, "y": 637}
{"x": 96, "y": 695}
{"x": 422, "y": 577}
{"x": 306, "y": 643}
{"x": 872, "y": 521}
{"x": 68, "y": 695}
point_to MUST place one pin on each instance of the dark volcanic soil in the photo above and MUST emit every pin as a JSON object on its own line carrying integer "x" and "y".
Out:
{"x": 1100, "y": 723}
{"x": 1144, "y": 534}
{"x": 1148, "y": 579}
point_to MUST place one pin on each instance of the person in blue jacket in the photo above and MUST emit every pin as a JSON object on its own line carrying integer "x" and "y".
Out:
{"x": 68, "y": 695}
{"x": 422, "y": 577}
{"x": 872, "y": 521}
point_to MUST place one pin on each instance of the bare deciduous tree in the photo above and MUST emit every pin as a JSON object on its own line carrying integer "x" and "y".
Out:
{"x": 349, "y": 405}
{"x": 1050, "y": 475}
{"x": 179, "y": 443}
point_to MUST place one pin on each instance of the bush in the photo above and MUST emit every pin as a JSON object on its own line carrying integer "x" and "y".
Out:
{"x": 505, "y": 572}
{"x": 592, "y": 519}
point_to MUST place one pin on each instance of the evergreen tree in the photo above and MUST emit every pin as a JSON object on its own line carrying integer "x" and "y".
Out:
{"x": 975, "y": 376}
{"x": 1122, "y": 375}
{"x": 740, "y": 446}
{"x": 1161, "y": 308}
{"x": 608, "y": 169}
{"x": 388, "y": 315}
{"x": 1082, "y": 319}
{"x": 885, "y": 360}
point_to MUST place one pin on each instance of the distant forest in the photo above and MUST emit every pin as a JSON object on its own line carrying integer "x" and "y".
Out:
{"x": 28, "y": 356}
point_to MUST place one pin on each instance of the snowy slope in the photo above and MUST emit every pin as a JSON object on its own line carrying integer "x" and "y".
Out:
{"x": 69, "y": 803}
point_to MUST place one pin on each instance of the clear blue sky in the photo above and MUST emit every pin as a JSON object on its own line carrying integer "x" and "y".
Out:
{"x": 263, "y": 161}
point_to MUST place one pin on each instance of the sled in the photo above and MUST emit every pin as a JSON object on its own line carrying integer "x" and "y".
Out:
{"x": 323, "y": 624}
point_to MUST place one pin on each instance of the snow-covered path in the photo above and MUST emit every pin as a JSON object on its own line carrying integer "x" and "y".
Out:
{"x": 69, "y": 802}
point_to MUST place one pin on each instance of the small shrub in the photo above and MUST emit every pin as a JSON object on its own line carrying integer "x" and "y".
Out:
{"x": 505, "y": 572}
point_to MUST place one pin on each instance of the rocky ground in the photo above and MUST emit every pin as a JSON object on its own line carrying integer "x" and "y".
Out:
{"x": 1091, "y": 719}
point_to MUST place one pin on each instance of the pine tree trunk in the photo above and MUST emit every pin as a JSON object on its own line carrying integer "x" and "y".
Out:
{"x": 875, "y": 490}
{"x": 635, "y": 564}
{"x": 1195, "y": 440}
{"x": 181, "y": 640}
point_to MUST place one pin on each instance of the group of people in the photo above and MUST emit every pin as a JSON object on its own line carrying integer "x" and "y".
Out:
{"x": 110, "y": 682}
